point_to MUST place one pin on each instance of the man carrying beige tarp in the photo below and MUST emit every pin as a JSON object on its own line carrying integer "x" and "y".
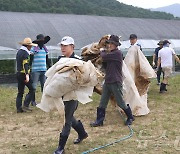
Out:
{"x": 136, "y": 72}
{"x": 113, "y": 82}
{"x": 68, "y": 81}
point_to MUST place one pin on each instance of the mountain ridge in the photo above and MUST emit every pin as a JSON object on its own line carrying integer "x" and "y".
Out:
{"x": 82, "y": 7}
{"x": 173, "y": 9}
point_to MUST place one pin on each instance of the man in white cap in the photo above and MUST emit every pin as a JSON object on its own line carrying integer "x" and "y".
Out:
{"x": 67, "y": 49}
{"x": 23, "y": 70}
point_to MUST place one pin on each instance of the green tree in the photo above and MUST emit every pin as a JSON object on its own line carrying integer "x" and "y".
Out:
{"x": 84, "y": 7}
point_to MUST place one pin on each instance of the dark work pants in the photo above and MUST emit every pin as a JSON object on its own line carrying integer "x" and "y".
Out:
{"x": 159, "y": 71}
{"x": 70, "y": 121}
{"x": 116, "y": 90}
{"x": 21, "y": 86}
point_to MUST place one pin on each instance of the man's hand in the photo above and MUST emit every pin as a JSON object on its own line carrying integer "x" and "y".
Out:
{"x": 153, "y": 63}
{"x": 177, "y": 58}
{"x": 27, "y": 78}
{"x": 179, "y": 61}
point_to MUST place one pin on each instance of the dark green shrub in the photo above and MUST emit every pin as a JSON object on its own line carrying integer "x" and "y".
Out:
{"x": 7, "y": 66}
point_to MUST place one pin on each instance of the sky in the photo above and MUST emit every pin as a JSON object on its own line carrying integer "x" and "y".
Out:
{"x": 149, "y": 3}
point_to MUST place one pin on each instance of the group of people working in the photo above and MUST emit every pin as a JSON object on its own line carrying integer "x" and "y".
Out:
{"x": 32, "y": 63}
{"x": 163, "y": 62}
{"x": 37, "y": 53}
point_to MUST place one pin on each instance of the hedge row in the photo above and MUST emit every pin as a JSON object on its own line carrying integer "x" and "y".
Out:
{"x": 8, "y": 66}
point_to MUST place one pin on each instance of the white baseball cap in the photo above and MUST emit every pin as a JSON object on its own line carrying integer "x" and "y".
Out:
{"x": 66, "y": 40}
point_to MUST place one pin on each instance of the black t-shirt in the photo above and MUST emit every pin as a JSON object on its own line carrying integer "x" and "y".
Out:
{"x": 156, "y": 53}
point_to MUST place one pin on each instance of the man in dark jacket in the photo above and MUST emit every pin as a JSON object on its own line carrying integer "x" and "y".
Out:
{"x": 113, "y": 82}
{"x": 155, "y": 62}
{"x": 23, "y": 78}
{"x": 67, "y": 49}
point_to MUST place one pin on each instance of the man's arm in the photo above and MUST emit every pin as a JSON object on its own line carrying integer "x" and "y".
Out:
{"x": 176, "y": 58}
{"x": 26, "y": 67}
{"x": 153, "y": 62}
{"x": 48, "y": 62}
{"x": 31, "y": 56}
{"x": 159, "y": 62}
{"x": 110, "y": 56}
{"x": 31, "y": 59}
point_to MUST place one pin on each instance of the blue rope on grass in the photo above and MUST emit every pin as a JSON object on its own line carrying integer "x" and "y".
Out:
{"x": 117, "y": 141}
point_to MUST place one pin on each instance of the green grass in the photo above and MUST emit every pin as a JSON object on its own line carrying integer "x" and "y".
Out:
{"x": 38, "y": 132}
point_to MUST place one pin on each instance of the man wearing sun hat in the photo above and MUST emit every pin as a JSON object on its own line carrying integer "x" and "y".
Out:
{"x": 67, "y": 49}
{"x": 39, "y": 62}
{"x": 23, "y": 78}
{"x": 113, "y": 82}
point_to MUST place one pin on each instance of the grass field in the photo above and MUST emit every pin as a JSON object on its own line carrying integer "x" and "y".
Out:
{"x": 38, "y": 132}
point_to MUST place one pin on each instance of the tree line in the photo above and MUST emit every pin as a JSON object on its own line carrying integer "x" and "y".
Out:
{"x": 82, "y": 7}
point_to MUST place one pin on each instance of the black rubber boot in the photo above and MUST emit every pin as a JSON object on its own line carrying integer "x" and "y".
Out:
{"x": 130, "y": 117}
{"x": 20, "y": 110}
{"x": 100, "y": 117}
{"x": 81, "y": 132}
{"x": 33, "y": 102}
{"x": 62, "y": 143}
{"x": 163, "y": 88}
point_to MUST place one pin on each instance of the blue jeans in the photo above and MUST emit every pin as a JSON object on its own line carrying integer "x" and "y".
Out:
{"x": 38, "y": 76}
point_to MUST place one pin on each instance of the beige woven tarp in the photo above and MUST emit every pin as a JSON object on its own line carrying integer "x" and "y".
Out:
{"x": 75, "y": 79}
{"x": 71, "y": 78}
{"x": 137, "y": 74}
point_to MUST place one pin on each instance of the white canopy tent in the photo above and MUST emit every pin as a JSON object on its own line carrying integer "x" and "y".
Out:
{"x": 150, "y": 44}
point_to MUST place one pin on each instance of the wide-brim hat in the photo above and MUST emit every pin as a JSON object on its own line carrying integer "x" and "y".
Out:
{"x": 166, "y": 42}
{"x": 114, "y": 39}
{"x": 42, "y": 38}
{"x": 160, "y": 43}
{"x": 27, "y": 41}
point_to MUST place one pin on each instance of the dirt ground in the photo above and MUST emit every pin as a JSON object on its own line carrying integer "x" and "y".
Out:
{"x": 38, "y": 132}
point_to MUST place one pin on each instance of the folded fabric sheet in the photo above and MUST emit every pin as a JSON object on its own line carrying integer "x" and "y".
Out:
{"x": 70, "y": 79}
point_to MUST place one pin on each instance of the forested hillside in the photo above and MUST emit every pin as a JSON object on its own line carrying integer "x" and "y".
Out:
{"x": 84, "y": 7}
